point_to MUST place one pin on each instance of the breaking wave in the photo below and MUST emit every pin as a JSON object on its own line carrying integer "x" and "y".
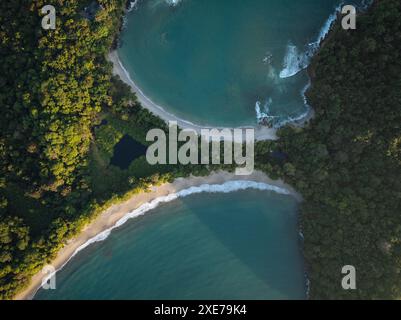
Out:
{"x": 133, "y": 5}
{"x": 173, "y": 2}
{"x": 263, "y": 112}
{"x": 226, "y": 187}
{"x": 296, "y": 60}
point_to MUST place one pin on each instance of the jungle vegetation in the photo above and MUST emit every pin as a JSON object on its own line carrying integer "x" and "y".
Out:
{"x": 63, "y": 112}
{"x": 347, "y": 162}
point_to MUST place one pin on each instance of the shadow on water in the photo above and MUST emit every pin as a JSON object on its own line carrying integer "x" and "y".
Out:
{"x": 241, "y": 245}
{"x": 271, "y": 251}
{"x": 126, "y": 151}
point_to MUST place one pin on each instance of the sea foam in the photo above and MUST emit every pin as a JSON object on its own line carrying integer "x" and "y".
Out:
{"x": 173, "y": 2}
{"x": 296, "y": 60}
{"x": 226, "y": 187}
{"x": 133, "y": 5}
{"x": 263, "y": 113}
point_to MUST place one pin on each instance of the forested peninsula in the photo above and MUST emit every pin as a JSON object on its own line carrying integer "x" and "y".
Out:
{"x": 64, "y": 111}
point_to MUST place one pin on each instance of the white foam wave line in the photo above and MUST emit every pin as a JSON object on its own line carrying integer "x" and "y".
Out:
{"x": 125, "y": 22}
{"x": 303, "y": 92}
{"x": 173, "y": 2}
{"x": 308, "y": 108}
{"x": 133, "y": 5}
{"x": 127, "y": 74}
{"x": 329, "y": 22}
{"x": 227, "y": 187}
{"x": 260, "y": 115}
{"x": 294, "y": 61}
{"x": 170, "y": 115}
{"x": 293, "y": 119}
{"x": 265, "y": 115}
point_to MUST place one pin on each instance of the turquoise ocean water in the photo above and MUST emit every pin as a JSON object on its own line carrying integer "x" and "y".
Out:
{"x": 216, "y": 62}
{"x": 239, "y": 245}
{"x": 225, "y": 62}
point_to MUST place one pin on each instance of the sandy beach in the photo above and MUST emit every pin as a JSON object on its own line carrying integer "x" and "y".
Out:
{"x": 261, "y": 132}
{"x": 111, "y": 216}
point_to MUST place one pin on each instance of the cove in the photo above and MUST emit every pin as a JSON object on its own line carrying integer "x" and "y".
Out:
{"x": 225, "y": 62}
{"x": 238, "y": 245}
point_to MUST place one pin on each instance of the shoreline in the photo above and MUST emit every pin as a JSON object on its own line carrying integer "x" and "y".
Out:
{"x": 261, "y": 132}
{"x": 110, "y": 218}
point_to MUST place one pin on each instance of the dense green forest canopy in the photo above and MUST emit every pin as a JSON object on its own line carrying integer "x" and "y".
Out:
{"x": 63, "y": 112}
{"x": 54, "y": 84}
{"x": 347, "y": 162}
{"x": 57, "y": 89}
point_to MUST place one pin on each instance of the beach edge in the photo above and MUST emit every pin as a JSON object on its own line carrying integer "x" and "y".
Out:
{"x": 261, "y": 132}
{"x": 113, "y": 214}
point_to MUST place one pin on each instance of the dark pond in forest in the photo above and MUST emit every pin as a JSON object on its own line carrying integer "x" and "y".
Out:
{"x": 126, "y": 151}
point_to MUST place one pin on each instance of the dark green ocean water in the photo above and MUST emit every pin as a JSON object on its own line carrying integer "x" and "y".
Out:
{"x": 239, "y": 245}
